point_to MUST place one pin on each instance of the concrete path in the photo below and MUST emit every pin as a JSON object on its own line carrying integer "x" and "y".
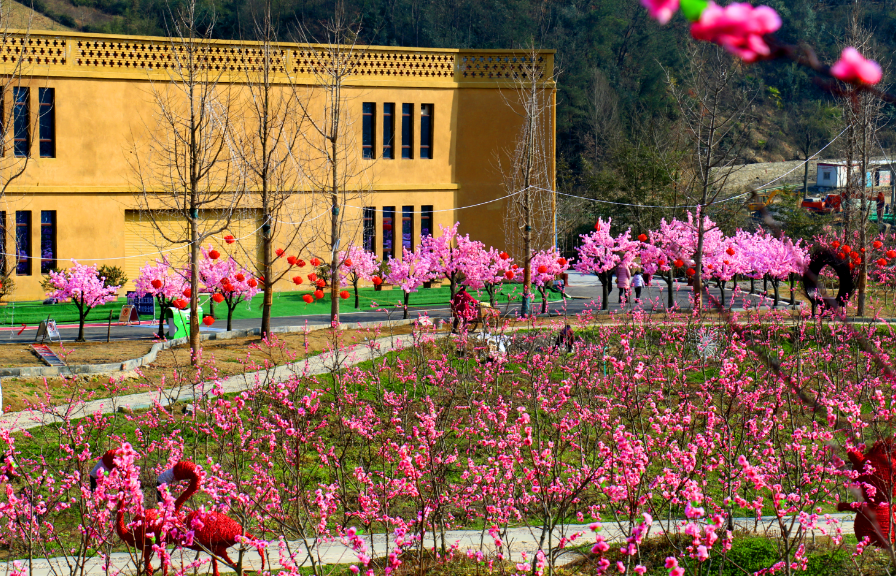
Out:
{"x": 319, "y": 364}
{"x": 519, "y": 544}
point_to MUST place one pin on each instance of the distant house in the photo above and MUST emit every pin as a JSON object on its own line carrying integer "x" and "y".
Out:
{"x": 831, "y": 175}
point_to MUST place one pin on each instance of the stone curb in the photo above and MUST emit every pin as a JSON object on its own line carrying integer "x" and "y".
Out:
{"x": 150, "y": 357}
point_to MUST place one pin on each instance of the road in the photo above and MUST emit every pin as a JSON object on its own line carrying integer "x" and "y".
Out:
{"x": 585, "y": 292}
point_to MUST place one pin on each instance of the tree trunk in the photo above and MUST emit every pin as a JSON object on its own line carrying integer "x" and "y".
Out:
{"x": 407, "y": 298}
{"x": 544, "y": 299}
{"x": 162, "y": 310}
{"x": 194, "y": 289}
{"x": 334, "y": 238}
{"x": 81, "y": 318}
{"x": 775, "y": 283}
{"x": 722, "y": 291}
{"x": 357, "y": 296}
{"x": 752, "y": 285}
{"x": 230, "y": 316}
{"x": 671, "y": 297}
{"x": 268, "y": 267}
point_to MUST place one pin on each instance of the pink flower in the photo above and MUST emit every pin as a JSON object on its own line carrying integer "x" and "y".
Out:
{"x": 661, "y": 10}
{"x": 621, "y": 567}
{"x": 671, "y": 562}
{"x": 738, "y": 28}
{"x": 702, "y": 553}
{"x": 853, "y": 67}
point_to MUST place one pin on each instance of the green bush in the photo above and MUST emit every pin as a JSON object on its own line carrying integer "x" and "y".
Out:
{"x": 114, "y": 275}
{"x": 751, "y": 554}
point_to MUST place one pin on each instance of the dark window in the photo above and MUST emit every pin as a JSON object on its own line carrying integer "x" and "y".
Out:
{"x": 388, "y": 130}
{"x": 426, "y": 131}
{"x": 388, "y": 232}
{"x": 47, "y": 240}
{"x": 20, "y": 122}
{"x": 23, "y": 243}
{"x": 47, "y": 122}
{"x": 368, "y": 129}
{"x": 407, "y": 130}
{"x": 3, "y": 242}
{"x": 426, "y": 221}
{"x": 369, "y": 240}
{"x": 407, "y": 227}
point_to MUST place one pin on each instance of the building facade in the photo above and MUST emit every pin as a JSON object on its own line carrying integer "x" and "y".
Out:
{"x": 432, "y": 130}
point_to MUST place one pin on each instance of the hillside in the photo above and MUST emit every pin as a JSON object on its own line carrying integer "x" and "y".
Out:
{"x": 22, "y": 17}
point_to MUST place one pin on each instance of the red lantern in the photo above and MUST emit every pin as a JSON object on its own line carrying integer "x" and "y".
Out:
{"x": 312, "y": 277}
{"x": 214, "y": 254}
{"x": 279, "y": 252}
{"x": 504, "y": 255}
{"x": 156, "y": 284}
{"x": 239, "y": 277}
{"x": 642, "y": 237}
{"x": 515, "y": 266}
{"x": 542, "y": 269}
{"x": 348, "y": 262}
{"x": 862, "y": 250}
{"x": 852, "y": 266}
{"x": 344, "y": 294}
{"x": 296, "y": 280}
{"x": 300, "y": 263}
{"x": 835, "y": 244}
{"x": 597, "y": 226}
{"x": 387, "y": 227}
{"x": 252, "y": 283}
{"x": 678, "y": 263}
{"x": 710, "y": 266}
{"x": 891, "y": 254}
{"x": 229, "y": 239}
{"x": 307, "y": 298}
{"x": 661, "y": 263}
{"x": 320, "y": 283}
{"x": 376, "y": 280}
{"x": 218, "y": 298}
{"x": 509, "y": 274}
{"x": 291, "y": 260}
{"x": 877, "y": 244}
{"x": 180, "y": 304}
{"x": 691, "y": 271}
{"x": 846, "y": 249}
{"x": 188, "y": 292}
{"x": 561, "y": 261}
{"x": 881, "y": 262}
{"x": 208, "y": 320}
{"x": 315, "y": 262}
{"x": 730, "y": 251}
{"x": 318, "y": 294}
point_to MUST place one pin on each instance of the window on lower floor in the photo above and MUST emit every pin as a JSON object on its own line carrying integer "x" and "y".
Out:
{"x": 47, "y": 241}
{"x": 47, "y": 122}
{"x": 426, "y": 221}
{"x": 369, "y": 238}
{"x": 3, "y": 242}
{"x": 407, "y": 227}
{"x": 23, "y": 243}
{"x": 388, "y": 232}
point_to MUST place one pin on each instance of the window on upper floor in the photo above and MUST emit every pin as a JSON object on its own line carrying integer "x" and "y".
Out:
{"x": 407, "y": 227}
{"x": 426, "y": 131}
{"x": 21, "y": 124}
{"x": 47, "y": 122}
{"x": 388, "y": 232}
{"x": 389, "y": 130}
{"x": 368, "y": 129}
{"x": 407, "y": 130}
{"x": 23, "y": 242}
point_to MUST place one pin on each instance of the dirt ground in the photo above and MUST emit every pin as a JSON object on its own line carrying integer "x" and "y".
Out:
{"x": 224, "y": 358}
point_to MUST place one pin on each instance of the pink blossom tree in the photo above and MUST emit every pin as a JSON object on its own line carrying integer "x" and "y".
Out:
{"x": 775, "y": 258}
{"x": 84, "y": 287}
{"x": 226, "y": 281}
{"x": 410, "y": 272}
{"x": 546, "y": 266}
{"x": 357, "y": 264}
{"x": 451, "y": 255}
{"x": 600, "y": 253}
{"x": 489, "y": 272}
{"x": 163, "y": 283}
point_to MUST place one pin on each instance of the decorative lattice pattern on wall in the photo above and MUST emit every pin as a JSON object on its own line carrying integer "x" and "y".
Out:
{"x": 161, "y": 56}
{"x": 380, "y": 64}
{"x": 42, "y": 50}
{"x": 496, "y": 67}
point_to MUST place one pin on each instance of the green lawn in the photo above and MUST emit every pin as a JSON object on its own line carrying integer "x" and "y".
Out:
{"x": 287, "y": 303}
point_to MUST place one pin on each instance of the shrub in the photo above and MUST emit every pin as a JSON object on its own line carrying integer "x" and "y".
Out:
{"x": 114, "y": 276}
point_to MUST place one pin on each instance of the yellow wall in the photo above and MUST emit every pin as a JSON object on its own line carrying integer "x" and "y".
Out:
{"x": 105, "y": 111}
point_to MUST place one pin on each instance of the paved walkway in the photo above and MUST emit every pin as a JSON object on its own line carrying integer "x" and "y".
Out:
{"x": 319, "y": 364}
{"x": 519, "y": 543}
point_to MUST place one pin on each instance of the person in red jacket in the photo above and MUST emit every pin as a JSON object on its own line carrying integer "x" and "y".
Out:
{"x": 464, "y": 307}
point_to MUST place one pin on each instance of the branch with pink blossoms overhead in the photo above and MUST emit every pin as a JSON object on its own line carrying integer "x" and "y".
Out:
{"x": 747, "y": 32}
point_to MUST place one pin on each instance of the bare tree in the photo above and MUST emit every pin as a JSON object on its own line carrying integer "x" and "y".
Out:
{"x": 188, "y": 187}
{"x": 267, "y": 137}
{"x": 863, "y": 114}
{"x": 334, "y": 172}
{"x": 528, "y": 168}
{"x": 715, "y": 106}
{"x": 603, "y": 115}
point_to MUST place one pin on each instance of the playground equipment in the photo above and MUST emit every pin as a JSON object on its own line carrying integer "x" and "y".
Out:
{"x": 178, "y": 322}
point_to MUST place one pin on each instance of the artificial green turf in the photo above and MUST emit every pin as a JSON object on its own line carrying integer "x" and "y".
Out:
{"x": 288, "y": 303}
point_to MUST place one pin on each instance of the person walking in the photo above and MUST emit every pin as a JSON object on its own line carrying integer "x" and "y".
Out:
{"x": 464, "y": 307}
{"x": 637, "y": 284}
{"x": 623, "y": 281}
{"x": 881, "y": 201}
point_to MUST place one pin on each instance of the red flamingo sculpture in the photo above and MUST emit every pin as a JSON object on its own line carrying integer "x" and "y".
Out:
{"x": 873, "y": 515}
{"x": 149, "y": 526}
{"x": 215, "y": 532}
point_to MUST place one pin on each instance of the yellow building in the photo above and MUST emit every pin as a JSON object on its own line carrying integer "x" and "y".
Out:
{"x": 433, "y": 129}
